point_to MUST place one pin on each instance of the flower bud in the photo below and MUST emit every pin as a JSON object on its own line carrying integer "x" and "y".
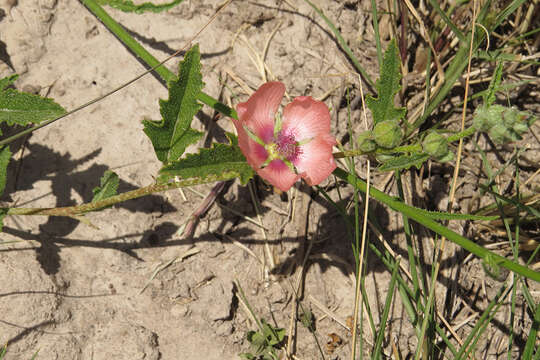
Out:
{"x": 435, "y": 145}
{"x": 365, "y": 142}
{"x": 487, "y": 117}
{"x": 499, "y": 134}
{"x": 387, "y": 134}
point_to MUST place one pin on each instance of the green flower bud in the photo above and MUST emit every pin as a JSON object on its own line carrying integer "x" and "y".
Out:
{"x": 387, "y": 134}
{"x": 503, "y": 124}
{"x": 435, "y": 145}
{"x": 449, "y": 156}
{"x": 499, "y": 134}
{"x": 487, "y": 117}
{"x": 365, "y": 142}
{"x": 520, "y": 127}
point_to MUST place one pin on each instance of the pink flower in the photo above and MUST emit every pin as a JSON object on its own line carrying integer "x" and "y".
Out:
{"x": 284, "y": 149}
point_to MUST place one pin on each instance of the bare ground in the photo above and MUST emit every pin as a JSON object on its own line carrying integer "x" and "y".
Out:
{"x": 73, "y": 291}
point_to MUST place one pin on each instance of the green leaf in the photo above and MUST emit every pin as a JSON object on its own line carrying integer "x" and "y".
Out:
{"x": 492, "y": 266}
{"x": 388, "y": 85}
{"x": 173, "y": 133}
{"x": 208, "y": 163}
{"x": 3, "y": 213}
{"x": 5, "y": 155}
{"x": 489, "y": 98}
{"x": 404, "y": 162}
{"x": 109, "y": 186}
{"x": 436, "y": 215}
{"x": 129, "y": 6}
{"x": 22, "y": 108}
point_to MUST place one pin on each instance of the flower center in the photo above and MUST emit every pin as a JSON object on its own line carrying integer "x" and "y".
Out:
{"x": 286, "y": 146}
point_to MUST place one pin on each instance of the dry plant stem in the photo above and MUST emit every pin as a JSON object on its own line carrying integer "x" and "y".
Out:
{"x": 301, "y": 226}
{"x": 154, "y": 65}
{"x": 458, "y": 155}
{"x": 425, "y": 34}
{"x": 98, "y": 205}
{"x": 358, "y": 296}
{"x": 442, "y": 243}
{"x": 256, "y": 204}
{"x": 203, "y": 208}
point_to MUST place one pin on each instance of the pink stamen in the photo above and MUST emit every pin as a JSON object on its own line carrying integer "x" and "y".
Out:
{"x": 287, "y": 146}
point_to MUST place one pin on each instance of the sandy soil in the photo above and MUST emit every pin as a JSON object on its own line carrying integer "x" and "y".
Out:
{"x": 73, "y": 291}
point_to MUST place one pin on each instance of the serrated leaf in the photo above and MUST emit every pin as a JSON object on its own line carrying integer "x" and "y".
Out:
{"x": 173, "y": 133}
{"x": 5, "y": 155}
{"x": 22, "y": 108}
{"x": 489, "y": 98}
{"x": 208, "y": 163}
{"x": 108, "y": 186}
{"x": 387, "y": 86}
{"x": 404, "y": 162}
{"x": 129, "y": 6}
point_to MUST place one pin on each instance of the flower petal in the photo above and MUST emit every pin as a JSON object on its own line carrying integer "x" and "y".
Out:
{"x": 306, "y": 118}
{"x": 316, "y": 161}
{"x": 279, "y": 175}
{"x": 255, "y": 154}
{"x": 259, "y": 111}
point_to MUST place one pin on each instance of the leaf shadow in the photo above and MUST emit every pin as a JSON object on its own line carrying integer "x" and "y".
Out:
{"x": 67, "y": 175}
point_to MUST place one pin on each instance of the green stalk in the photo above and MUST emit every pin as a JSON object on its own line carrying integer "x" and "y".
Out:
{"x": 411, "y": 212}
{"x": 148, "y": 58}
{"x": 128, "y": 40}
{"x": 98, "y": 205}
{"x": 386, "y": 311}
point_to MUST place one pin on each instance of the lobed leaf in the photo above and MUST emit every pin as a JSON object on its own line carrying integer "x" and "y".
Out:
{"x": 387, "y": 86}
{"x": 129, "y": 6}
{"x": 108, "y": 186}
{"x": 19, "y": 108}
{"x": 173, "y": 133}
{"x": 219, "y": 159}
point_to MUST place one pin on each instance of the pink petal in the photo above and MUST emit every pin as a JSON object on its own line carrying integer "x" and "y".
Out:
{"x": 279, "y": 175}
{"x": 306, "y": 118}
{"x": 255, "y": 154}
{"x": 316, "y": 161}
{"x": 259, "y": 111}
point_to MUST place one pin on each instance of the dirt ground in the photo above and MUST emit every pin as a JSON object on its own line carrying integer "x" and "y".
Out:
{"x": 132, "y": 287}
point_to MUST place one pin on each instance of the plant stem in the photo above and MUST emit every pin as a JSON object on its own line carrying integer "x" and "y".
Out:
{"x": 420, "y": 218}
{"x": 148, "y": 58}
{"x": 462, "y": 134}
{"x": 98, "y": 205}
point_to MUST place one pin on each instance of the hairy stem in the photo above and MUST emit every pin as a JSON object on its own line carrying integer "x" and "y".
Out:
{"x": 98, "y": 205}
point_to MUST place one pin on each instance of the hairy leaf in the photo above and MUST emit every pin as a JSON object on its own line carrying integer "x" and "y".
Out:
{"x": 489, "y": 98}
{"x": 5, "y": 155}
{"x": 219, "y": 159}
{"x": 22, "y": 108}
{"x": 108, "y": 186}
{"x": 129, "y": 6}
{"x": 404, "y": 162}
{"x": 387, "y": 86}
{"x": 436, "y": 215}
{"x": 173, "y": 133}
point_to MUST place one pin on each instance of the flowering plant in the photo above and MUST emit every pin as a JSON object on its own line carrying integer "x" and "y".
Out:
{"x": 284, "y": 148}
